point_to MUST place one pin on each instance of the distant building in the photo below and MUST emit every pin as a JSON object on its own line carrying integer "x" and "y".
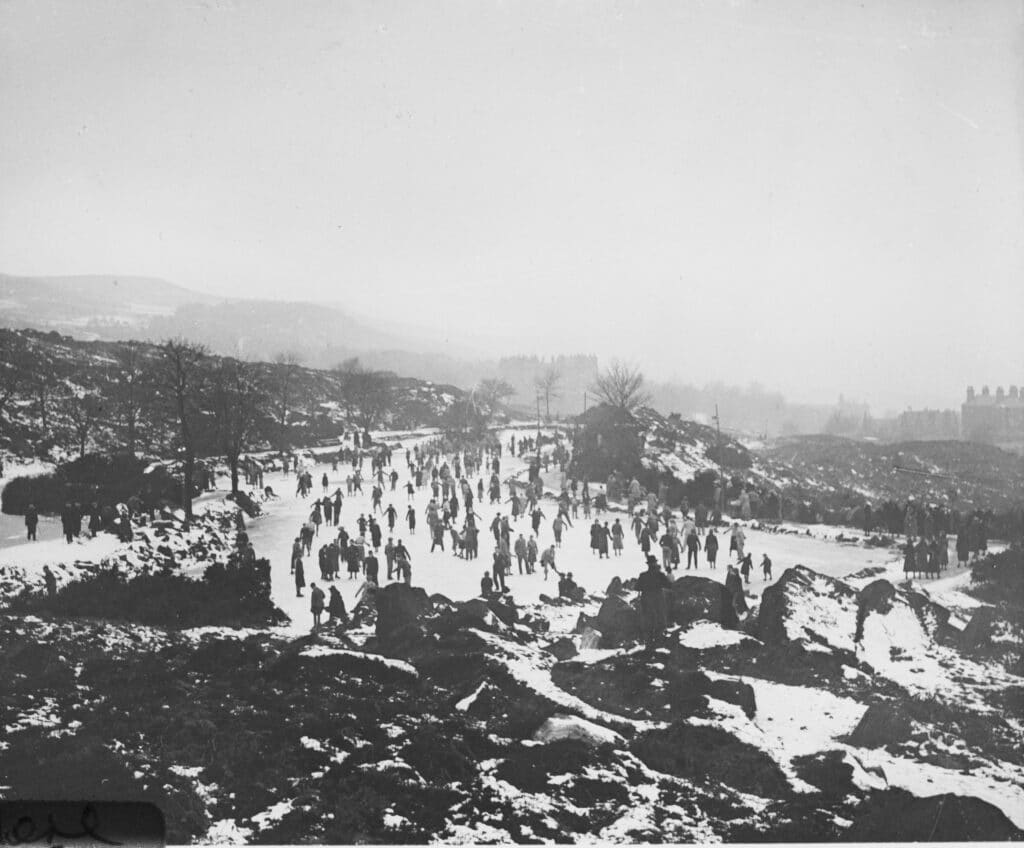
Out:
{"x": 927, "y": 425}
{"x": 994, "y": 419}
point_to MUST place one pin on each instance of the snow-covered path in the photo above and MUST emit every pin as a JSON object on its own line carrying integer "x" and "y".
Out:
{"x": 273, "y": 535}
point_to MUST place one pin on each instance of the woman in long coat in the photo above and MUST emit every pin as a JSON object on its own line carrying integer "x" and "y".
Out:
{"x": 300, "y": 577}
{"x": 909, "y": 559}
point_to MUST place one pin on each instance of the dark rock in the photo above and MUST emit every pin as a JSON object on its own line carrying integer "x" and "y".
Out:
{"x": 563, "y": 649}
{"x": 881, "y": 725}
{"x": 734, "y": 692}
{"x": 829, "y": 772}
{"x": 439, "y": 600}
{"x": 979, "y": 630}
{"x": 398, "y": 607}
{"x": 706, "y": 753}
{"x": 504, "y": 610}
{"x": 700, "y": 598}
{"x": 790, "y": 594}
{"x": 898, "y": 816}
{"x": 618, "y": 621}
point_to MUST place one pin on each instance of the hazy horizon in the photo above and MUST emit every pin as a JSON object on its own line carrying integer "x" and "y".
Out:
{"x": 818, "y": 197}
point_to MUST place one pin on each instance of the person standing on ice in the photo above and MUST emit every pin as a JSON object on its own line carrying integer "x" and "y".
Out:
{"x": 316, "y": 604}
{"x": 737, "y": 541}
{"x": 652, "y": 584}
{"x": 692, "y": 546}
{"x": 547, "y": 559}
{"x": 535, "y": 518}
{"x": 300, "y": 577}
{"x": 558, "y": 526}
{"x": 520, "y": 549}
{"x": 617, "y": 537}
{"x": 410, "y": 517}
{"x": 711, "y": 547}
{"x": 766, "y": 567}
{"x": 32, "y": 522}
{"x": 498, "y": 571}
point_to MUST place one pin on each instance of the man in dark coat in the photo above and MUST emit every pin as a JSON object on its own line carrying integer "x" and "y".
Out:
{"x": 50, "y": 581}
{"x": 652, "y": 584}
{"x": 734, "y": 583}
{"x": 300, "y": 577}
{"x": 336, "y": 607}
{"x": 32, "y": 522}
{"x": 316, "y": 604}
{"x": 498, "y": 570}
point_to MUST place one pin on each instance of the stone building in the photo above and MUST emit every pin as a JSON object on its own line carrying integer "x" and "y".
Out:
{"x": 995, "y": 419}
{"x": 927, "y": 425}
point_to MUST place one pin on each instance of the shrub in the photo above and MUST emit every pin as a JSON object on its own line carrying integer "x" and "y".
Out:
{"x": 91, "y": 478}
{"x": 235, "y": 596}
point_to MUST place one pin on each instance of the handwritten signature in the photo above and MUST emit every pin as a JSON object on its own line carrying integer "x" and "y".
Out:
{"x": 26, "y": 832}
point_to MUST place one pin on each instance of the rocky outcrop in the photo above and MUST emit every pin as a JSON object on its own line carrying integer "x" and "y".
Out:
{"x": 399, "y": 607}
{"x": 699, "y": 598}
{"x": 880, "y": 726}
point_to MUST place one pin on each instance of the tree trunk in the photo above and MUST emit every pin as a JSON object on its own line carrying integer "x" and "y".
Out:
{"x": 233, "y": 463}
{"x": 190, "y": 462}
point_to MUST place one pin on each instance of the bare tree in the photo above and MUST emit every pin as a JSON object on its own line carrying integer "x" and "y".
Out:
{"x": 622, "y": 386}
{"x": 130, "y": 391}
{"x": 12, "y": 375}
{"x": 238, "y": 401}
{"x": 286, "y": 367}
{"x": 43, "y": 383}
{"x": 84, "y": 412}
{"x": 493, "y": 392}
{"x": 365, "y": 391}
{"x": 181, "y": 379}
{"x": 547, "y": 384}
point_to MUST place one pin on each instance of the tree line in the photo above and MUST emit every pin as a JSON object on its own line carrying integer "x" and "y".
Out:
{"x": 174, "y": 398}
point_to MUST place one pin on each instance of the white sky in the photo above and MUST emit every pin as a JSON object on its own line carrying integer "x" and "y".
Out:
{"x": 820, "y": 196}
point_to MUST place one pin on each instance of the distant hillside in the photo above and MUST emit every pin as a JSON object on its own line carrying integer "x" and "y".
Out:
{"x": 87, "y": 304}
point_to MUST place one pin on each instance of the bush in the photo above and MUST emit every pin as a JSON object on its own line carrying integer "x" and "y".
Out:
{"x": 91, "y": 478}
{"x": 233, "y": 596}
{"x": 607, "y": 441}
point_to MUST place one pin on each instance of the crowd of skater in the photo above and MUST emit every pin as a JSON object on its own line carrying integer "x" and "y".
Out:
{"x": 528, "y": 529}
{"x": 524, "y": 539}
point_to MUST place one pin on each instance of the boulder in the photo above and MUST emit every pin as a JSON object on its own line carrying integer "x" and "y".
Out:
{"x": 700, "y": 598}
{"x": 561, "y": 726}
{"x": 439, "y": 600}
{"x": 881, "y": 725}
{"x": 562, "y": 649}
{"x": 806, "y": 606}
{"x": 398, "y": 607}
{"x": 618, "y": 621}
{"x": 898, "y": 816}
{"x": 504, "y": 610}
{"x": 590, "y": 638}
{"x": 979, "y": 630}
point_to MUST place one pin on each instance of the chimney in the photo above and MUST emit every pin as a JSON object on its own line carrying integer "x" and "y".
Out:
{"x": 970, "y": 394}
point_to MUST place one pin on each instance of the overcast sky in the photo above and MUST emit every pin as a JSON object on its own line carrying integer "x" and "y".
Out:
{"x": 820, "y": 196}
